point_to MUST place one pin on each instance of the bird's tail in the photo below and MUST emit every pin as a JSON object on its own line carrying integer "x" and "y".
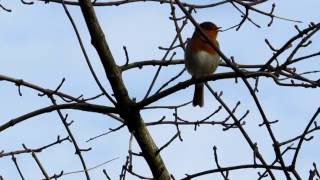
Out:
{"x": 198, "y": 95}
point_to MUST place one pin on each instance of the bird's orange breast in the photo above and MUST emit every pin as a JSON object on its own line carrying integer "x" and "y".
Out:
{"x": 198, "y": 43}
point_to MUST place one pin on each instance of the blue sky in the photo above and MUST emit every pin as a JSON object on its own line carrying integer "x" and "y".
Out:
{"x": 38, "y": 44}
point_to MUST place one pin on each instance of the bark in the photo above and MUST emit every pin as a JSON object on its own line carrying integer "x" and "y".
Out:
{"x": 127, "y": 109}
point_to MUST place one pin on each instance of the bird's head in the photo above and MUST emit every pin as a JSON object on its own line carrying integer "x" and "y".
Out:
{"x": 210, "y": 29}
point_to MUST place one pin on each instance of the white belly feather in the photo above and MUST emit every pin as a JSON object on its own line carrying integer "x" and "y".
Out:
{"x": 201, "y": 63}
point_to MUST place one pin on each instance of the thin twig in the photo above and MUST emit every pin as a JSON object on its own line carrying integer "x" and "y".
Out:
{"x": 14, "y": 159}
{"x": 85, "y": 53}
{"x": 74, "y": 142}
{"x": 44, "y": 172}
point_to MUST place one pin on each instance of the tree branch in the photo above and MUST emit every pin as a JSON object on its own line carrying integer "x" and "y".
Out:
{"x": 79, "y": 106}
{"x": 127, "y": 108}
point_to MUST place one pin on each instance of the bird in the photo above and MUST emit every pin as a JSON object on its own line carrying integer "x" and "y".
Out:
{"x": 201, "y": 58}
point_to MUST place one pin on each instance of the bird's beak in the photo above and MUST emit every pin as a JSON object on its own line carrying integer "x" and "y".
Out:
{"x": 219, "y": 29}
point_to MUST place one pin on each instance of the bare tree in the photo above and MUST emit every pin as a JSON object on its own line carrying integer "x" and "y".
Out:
{"x": 286, "y": 67}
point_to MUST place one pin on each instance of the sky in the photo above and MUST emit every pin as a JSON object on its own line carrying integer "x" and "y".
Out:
{"x": 39, "y": 45}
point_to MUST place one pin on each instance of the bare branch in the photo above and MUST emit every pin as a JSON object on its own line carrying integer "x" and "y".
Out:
{"x": 302, "y": 138}
{"x": 79, "y": 106}
{"x": 45, "y": 174}
{"x": 85, "y": 53}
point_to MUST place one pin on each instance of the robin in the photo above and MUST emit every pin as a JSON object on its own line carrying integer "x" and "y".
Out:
{"x": 200, "y": 57}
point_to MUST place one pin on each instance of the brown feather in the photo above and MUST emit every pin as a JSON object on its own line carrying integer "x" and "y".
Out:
{"x": 198, "y": 95}
{"x": 198, "y": 43}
